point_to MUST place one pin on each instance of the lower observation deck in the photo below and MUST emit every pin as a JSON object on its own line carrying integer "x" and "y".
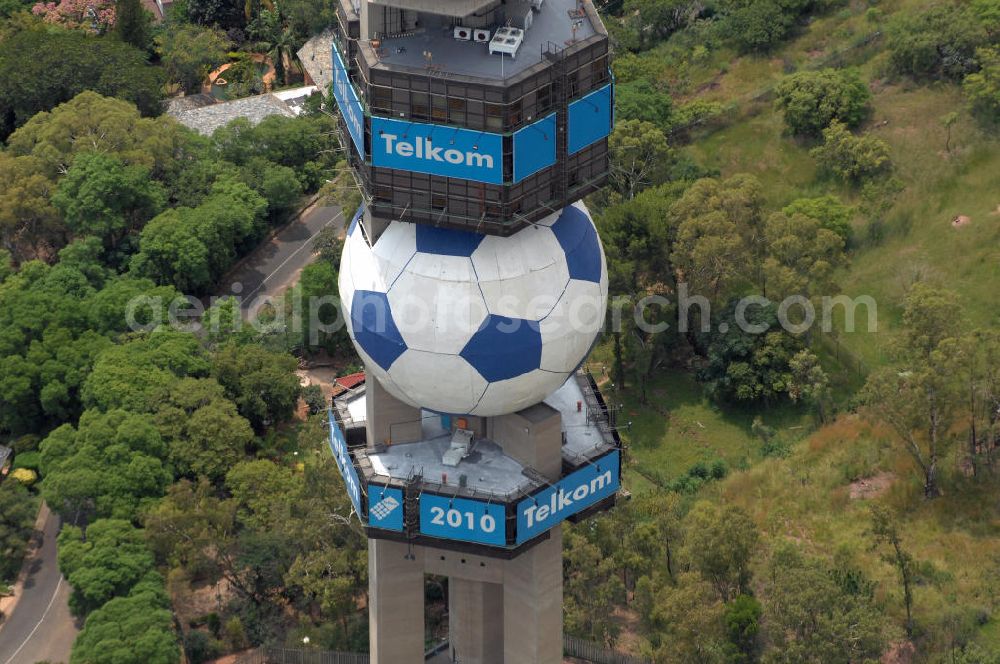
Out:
{"x": 407, "y": 491}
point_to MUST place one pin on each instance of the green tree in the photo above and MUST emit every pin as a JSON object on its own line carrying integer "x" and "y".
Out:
{"x": 939, "y": 42}
{"x": 590, "y": 586}
{"x": 92, "y": 123}
{"x": 988, "y": 13}
{"x": 885, "y": 531}
{"x": 757, "y": 25}
{"x": 40, "y": 70}
{"x": 641, "y": 100}
{"x": 17, "y": 520}
{"x": 207, "y": 436}
{"x": 639, "y": 157}
{"x": 810, "y": 100}
{"x": 261, "y": 383}
{"x": 133, "y": 23}
{"x": 689, "y": 624}
{"x": 136, "y": 375}
{"x": 102, "y": 196}
{"x": 111, "y": 465}
{"x": 190, "y": 526}
{"x": 802, "y": 256}
{"x": 983, "y": 87}
{"x": 917, "y": 397}
{"x": 28, "y": 221}
{"x": 719, "y": 543}
{"x": 137, "y": 629}
{"x": 108, "y": 563}
{"x": 190, "y": 52}
{"x": 812, "y": 616}
{"x": 275, "y": 37}
{"x": 849, "y": 157}
{"x": 828, "y": 210}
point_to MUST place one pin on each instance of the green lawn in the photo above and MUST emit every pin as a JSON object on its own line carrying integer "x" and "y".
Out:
{"x": 680, "y": 427}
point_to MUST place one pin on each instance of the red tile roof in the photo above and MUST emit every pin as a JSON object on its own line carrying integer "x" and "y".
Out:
{"x": 351, "y": 381}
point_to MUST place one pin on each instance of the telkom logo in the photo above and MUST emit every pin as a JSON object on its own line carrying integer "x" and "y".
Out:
{"x": 565, "y": 500}
{"x": 423, "y": 148}
{"x": 384, "y": 508}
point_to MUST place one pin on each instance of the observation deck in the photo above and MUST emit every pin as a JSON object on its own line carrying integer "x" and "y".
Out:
{"x": 407, "y": 491}
{"x": 489, "y": 120}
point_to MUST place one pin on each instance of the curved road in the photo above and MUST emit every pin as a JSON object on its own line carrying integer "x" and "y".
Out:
{"x": 40, "y": 627}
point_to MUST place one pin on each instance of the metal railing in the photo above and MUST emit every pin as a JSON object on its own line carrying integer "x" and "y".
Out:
{"x": 596, "y": 653}
{"x": 572, "y": 647}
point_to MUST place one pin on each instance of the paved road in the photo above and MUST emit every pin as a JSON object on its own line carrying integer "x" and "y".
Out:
{"x": 275, "y": 266}
{"x": 40, "y": 627}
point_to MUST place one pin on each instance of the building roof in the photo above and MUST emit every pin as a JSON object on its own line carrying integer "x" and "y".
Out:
{"x": 556, "y": 24}
{"x": 206, "y": 119}
{"x": 5, "y": 454}
{"x": 351, "y": 380}
{"x": 316, "y": 56}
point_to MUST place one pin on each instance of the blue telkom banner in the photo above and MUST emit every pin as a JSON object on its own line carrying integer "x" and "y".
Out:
{"x": 590, "y": 119}
{"x": 385, "y": 507}
{"x": 462, "y": 519}
{"x": 574, "y": 493}
{"x": 338, "y": 445}
{"x": 534, "y": 148}
{"x": 349, "y": 103}
{"x": 437, "y": 150}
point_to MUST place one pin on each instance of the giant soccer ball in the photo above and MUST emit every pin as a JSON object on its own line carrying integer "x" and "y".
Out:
{"x": 467, "y": 324}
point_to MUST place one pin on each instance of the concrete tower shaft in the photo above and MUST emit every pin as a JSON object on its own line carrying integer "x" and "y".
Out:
{"x": 474, "y": 285}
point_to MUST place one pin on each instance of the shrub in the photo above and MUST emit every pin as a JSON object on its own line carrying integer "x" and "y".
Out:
{"x": 938, "y": 43}
{"x": 811, "y": 100}
{"x": 313, "y": 396}
{"x": 849, "y": 157}
{"x": 983, "y": 87}
{"x": 28, "y": 460}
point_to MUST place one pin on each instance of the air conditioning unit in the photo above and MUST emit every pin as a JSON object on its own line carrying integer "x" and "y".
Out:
{"x": 481, "y": 36}
{"x": 463, "y": 34}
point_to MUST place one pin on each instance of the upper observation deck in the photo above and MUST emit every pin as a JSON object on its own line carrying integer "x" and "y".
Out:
{"x": 514, "y": 38}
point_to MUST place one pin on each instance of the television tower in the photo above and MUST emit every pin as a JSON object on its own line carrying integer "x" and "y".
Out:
{"x": 474, "y": 285}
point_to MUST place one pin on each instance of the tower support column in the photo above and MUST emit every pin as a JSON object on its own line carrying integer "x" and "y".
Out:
{"x": 532, "y": 604}
{"x": 395, "y": 603}
{"x": 475, "y": 621}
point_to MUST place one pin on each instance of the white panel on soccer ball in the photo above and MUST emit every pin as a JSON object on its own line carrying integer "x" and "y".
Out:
{"x": 521, "y": 276}
{"x": 569, "y": 331}
{"x": 394, "y": 250}
{"x": 345, "y": 286}
{"x": 510, "y": 396}
{"x": 436, "y": 303}
{"x": 442, "y": 383}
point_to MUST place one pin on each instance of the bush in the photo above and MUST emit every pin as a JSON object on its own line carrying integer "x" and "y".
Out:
{"x": 983, "y": 87}
{"x": 828, "y": 210}
{"x": 640, "y": 100}
{"x": 28, "y": 460}
{"x": 757, "y": 25}
{"x": 938, "y": 43}
{"x": 314, "y": 398}
{"x": 849, "y": 157}
{"x": 811, "y": 100}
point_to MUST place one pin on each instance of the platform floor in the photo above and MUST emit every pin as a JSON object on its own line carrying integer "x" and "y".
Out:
{"x": 550, "y": 24}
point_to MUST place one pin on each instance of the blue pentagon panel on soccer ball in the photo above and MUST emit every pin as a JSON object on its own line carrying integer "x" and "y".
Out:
{"x": 447, "y": 242}
{"x": 504, "y": 348}
{"x": 578, "y": 238}
{"x": 374, "y": 328}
